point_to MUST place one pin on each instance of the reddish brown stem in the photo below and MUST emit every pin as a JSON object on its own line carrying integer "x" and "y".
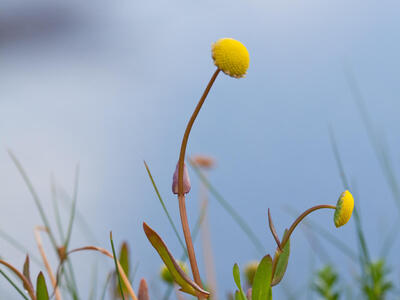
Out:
{"x": 26, "y": 282}
{"x": 290, "y": 231}
{"x": 181, "y": 195}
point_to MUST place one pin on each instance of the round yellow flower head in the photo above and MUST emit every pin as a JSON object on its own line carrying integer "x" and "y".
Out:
{"x": 231, "y": 57}
{"x": 344, "y": 209}
{"x": 166, "y": 274}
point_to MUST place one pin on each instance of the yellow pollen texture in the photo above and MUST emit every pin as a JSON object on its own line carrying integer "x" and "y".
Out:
{"x": 344, "y": 209}
{"x": 231, "y": 56}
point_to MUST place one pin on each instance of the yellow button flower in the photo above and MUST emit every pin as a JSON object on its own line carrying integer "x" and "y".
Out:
{"x": 231, "y": 56}
{"x": 344, "y": 209}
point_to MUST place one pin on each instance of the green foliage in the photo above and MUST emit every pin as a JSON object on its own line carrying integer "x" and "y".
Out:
{"x": 376, "y": 284}
{"x": 41, "y": 288}
{"x": 283, "y": 261}
{"x": 124, "y": 261}
{"x": 187, "y": 285}
{"x": 325, "y": 283}
{"x": 262, "y": 280}
{"x": 239, "y": 295}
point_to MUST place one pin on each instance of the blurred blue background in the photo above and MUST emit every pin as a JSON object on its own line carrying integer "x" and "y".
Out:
{"x": 110, "y": 84}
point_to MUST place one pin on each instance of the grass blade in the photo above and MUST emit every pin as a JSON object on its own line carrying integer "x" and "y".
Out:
{"x": 229, "y": 209}
{"x": 34, "y": 195}
{"x": 13, "y": 284}
{"x": 73, "y": 209}
{"x": 116, "y": 267}
{"x": 164, "y": 207}
{"x": 54, "y": 197}
{"x": 361, "y": 238}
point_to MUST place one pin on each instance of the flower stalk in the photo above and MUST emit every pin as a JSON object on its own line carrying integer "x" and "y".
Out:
{"x": 181, "y": 194}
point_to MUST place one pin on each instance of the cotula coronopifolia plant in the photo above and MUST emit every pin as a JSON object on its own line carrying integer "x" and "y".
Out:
{"x": 232, "y": 58}
{"x": 270, "y": 271}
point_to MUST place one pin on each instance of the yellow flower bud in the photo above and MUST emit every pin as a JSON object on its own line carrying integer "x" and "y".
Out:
{"x": 250, "y": 271}
{"x": 344, "y": 209}
{"x": 166, "y": 274}
{"x": 231, "y": 57}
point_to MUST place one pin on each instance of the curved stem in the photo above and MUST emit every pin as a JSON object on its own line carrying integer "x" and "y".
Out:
{"x": 26, "y": 282}
{"x": 187, "y": 131}
{"x": 45, "y": 260}
{"x": 181, "y": 195}
{"x": 300, "y": 218}
{"x": 124, "y": 277}
{"x": 290, "y": 231}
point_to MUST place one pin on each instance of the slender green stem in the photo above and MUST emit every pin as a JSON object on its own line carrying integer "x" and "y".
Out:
{"x": 73, "y": 209}
{"x": 103, "y": 294}
{"x": 116, "y": 267}
{"x": 365, "y": 259}
{"x": 18, "y": 246}
{"x": 229, "y": 208}
{"x": 164, "y": 207}
{"x": 181, "y": 195}
{"x": 35, "y": 197}
{"x": 56, "y": 208}
{"x": 14, "y": 285}
{"x": 26, "y": 282}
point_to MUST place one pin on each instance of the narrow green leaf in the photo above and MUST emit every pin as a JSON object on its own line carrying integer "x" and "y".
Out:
{"x": 229, "y": 209}
{"x": 34, "y": 196}
{"x": 26, "y": 271}
{"x": 236, "y": 277}
{"x": 164, "y": 207}
{"x": 124, "y": 261}
{"x": 187, "y": 285}
{"x": 282, "y": 262}
{"x": 41, "y": 288}
{"x": 14, "y": 285}
{"x": 73, "y": 208}
{"x": 238, "y": 296}
{"x": 262, "y": 280}
{"x": 116, "y": 266}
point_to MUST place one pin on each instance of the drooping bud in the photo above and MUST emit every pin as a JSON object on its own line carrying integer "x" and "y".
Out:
{"x": 186, "y": 180}
{"x": 344, "y": 209}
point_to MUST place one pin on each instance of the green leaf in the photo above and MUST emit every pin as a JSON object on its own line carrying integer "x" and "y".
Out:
{"x": 236, "y": 277}
{"x": 262, "y": 280}
{"x": 283, "y": 260}
{"x": 187, "y": 285}
{"x": 26, "y": 272}
{"x": 116, "y": 267}
{"x": 124, "y": 258}
{"x": 124, "y": 261}
{"x": 238, "y": 295}
{"x": 41, "y": 288}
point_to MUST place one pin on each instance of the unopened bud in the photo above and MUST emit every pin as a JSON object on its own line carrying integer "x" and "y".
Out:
{"x": 203, "y": 161}
{"x": 250, "y": 271}
{"x": 344, "y": 209}
{"x": 166, "y": 274}
{"x": 186, "y": 180}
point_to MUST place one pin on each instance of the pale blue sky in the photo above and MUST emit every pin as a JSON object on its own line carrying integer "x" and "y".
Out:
{"x": 109, "y": 85}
